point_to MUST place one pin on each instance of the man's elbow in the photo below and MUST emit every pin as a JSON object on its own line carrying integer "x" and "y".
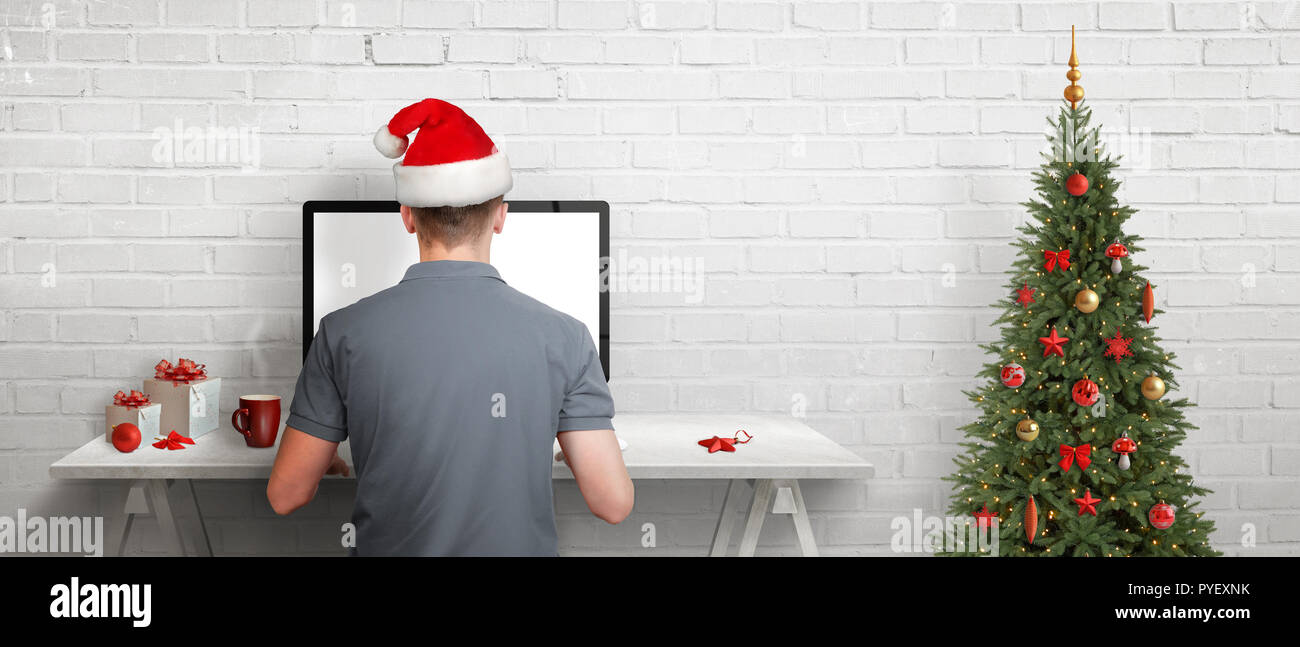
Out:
{"x": 616, "y": 509}
{"x": 283, "y": 502}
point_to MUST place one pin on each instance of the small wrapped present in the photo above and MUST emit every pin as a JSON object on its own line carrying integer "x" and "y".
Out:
{"x": 135, "y": 408}
{"x": 189, "y": 397}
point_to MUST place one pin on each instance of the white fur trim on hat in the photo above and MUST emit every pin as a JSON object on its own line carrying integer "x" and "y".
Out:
{"x": 389, "y": 145}
{"x": 456, "y": 184}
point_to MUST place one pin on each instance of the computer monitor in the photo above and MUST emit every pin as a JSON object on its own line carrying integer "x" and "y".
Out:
{"x": 554, "y": 251}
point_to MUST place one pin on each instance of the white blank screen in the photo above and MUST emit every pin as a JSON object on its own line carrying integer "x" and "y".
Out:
{"x": 552, "y": 257}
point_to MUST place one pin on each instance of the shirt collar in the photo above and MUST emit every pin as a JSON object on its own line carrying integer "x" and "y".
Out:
{"x": 451, "y": 270}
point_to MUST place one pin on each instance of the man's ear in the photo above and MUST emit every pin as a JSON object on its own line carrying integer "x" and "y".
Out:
{"x": 499, "y": 220}
{"x": 408, "y": 220}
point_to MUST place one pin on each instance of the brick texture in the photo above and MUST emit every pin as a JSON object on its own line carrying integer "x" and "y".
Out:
{"x": 846, "y": 174}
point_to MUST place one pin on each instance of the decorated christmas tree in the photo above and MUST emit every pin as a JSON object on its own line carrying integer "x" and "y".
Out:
{"x": 1074, "y": 451}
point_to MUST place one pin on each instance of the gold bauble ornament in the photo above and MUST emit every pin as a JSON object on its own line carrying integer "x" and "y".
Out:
{"x": 1153, "y": 387}
{"x": 1027, "y": 430}
{"x": 1074, "y": 93}
{"x": 1086, "y": 300}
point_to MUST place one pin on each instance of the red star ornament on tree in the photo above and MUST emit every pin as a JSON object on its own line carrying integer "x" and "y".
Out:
{"x": 1025, "y": 295}
{"x": 1053, "y": 344}
{"x": 1087, "y": 503}
{"x": 984, "y": 517}
{"x": 1117, "y": 346}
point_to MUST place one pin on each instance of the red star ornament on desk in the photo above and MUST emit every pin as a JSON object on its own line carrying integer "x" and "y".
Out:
{"x": 719, "y": 444}
{"x": 1053, "y": 345}
{"x": 1087, "y": 504}
{"x": 1025, "y": 295}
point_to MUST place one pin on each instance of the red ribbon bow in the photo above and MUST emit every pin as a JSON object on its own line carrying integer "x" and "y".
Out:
{"x": 173, "y": 441}
{"x": 1053, "y": 259}
{"x": 184, "y": 372}
{"x": 725, "y": 444}
{"x": 136, "y": 399}
{"x": 1069, "y": 455}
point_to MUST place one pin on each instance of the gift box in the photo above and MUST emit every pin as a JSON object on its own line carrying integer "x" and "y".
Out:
{"x": 189, "y": 397}
{"x": 136, "y": 409}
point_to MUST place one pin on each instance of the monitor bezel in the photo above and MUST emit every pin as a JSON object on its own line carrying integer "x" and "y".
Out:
{"x": 313, "y": 207}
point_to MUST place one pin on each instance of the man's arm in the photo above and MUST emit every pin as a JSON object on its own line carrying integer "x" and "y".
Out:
{"x": 301, "y": 462}
{"x": 597, "y": 464}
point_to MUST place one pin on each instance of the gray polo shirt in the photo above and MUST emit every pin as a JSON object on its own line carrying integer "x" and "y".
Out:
{"x": 451, "y": 386}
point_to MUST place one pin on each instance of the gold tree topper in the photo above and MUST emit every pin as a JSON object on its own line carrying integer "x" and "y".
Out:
{"x": 1073, "y": 92}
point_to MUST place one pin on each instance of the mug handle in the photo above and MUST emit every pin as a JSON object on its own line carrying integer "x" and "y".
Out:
{"x": 234, "y": 420}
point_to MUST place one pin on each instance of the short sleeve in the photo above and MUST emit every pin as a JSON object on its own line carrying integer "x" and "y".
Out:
{"x": 587, "y": 402}
{"x": 317, "y": 407}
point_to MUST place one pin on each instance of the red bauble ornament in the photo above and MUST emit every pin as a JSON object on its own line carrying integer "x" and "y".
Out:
{"x": 1085, "y": 393}
{"x": 126, "y": 437}
{"x": 1161, "y": 515}
{"x": 1013, "y": 375}
{"x": 1076, "y": 185}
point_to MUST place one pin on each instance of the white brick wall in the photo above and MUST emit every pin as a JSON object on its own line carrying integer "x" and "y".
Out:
{"x": 848, "y": 173}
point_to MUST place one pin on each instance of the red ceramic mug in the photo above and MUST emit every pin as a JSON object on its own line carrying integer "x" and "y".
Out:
{"x": 260, "y": 415}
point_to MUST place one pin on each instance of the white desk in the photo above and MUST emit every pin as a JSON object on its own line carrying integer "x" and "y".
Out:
{"x": 662, "y": 446}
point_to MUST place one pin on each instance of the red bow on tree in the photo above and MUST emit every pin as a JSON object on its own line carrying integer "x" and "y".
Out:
{"x": 184, "y": 372}
{"x": 1053, "y": 259}
{"x": 136, "y": 399}
{"x": 173, "y": 441}
{"x": 716, "y": 443}
{"x": 1069, "y": 455}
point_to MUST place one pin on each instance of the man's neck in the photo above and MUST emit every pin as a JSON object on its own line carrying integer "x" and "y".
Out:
{"x": 463, "y": 253}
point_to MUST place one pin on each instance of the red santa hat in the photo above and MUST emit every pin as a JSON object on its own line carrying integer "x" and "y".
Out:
{"x": 452, "y": 162}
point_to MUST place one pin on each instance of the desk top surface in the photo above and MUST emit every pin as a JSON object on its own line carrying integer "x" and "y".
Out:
{"x": 659, "y": 446}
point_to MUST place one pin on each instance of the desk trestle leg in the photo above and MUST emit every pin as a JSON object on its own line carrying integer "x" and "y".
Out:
{"x": 144, "y": 497}
{"x": 788, "y": 500}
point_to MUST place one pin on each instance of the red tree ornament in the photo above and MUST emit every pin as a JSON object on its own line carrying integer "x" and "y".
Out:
{"x": 1052, "y": 260}
{"x": 1071, "y": 455}
{"x": 1053, "y": 344}
{"x": 984, "y": 518}
{"x": 1087, "y": 503}
{"x": 1124, "y": 446}
{"x": 1115, "y": 252}
{"x": 1148, "y": 303}
{"x": 1013, "y": 375}
{"x": 1025, "y": 295}
{"x": 126, "y": 437}
{"x": 1076, "y": 185}
{"x": 1117, "y": 346}
{"x": 1085, "y": 393}
{"x": 1031, "y": 520}
{"x": 1161, "y": 515}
